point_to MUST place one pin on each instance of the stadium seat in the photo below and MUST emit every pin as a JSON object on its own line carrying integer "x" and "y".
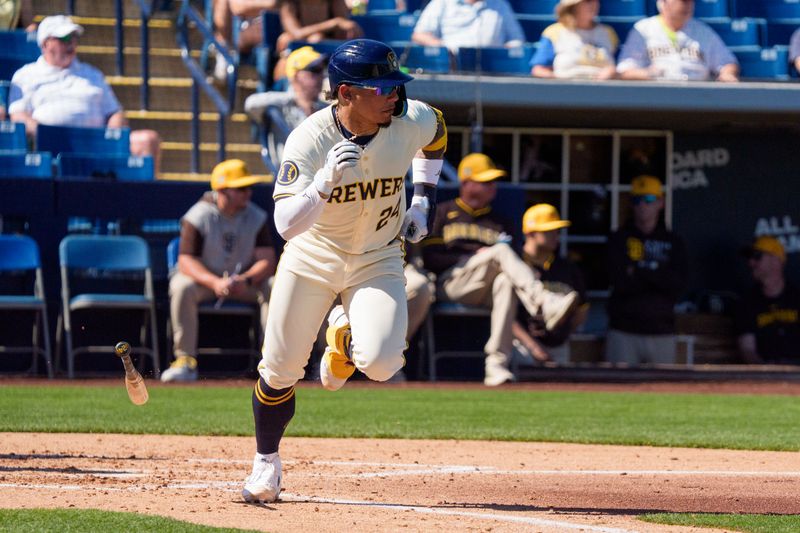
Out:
{"x": 4, "y": 94}
{"x": 740, "y": 32}
{"x": 12, "y": 136}
{"x": 623, "y": 8}
{"x": 19, "y": 43}
{"x": 20, "y": 164}
{"x": 108, "y": 141}
{"x": 621, "y": 25}
{"x": 227, "y": 308}
{"x": 110, "y": 167}
{"x": 429, "y": 59}
{"x": 19, "y": 256}
{"x": 496, "y": 60}
{"x": 534, "y": 25}
{"x": 764, "y": 63}
{"x": 387, "y": 27}
{"x": 381, "y": 5}
{"x": 711, "y": 8}
{"x": 769, "y": 9}
{"x": 103, "y": 262}
{"x": 534, "y": 7}
{"x": 779, "y": 32}
{"x": 9, "y": 65}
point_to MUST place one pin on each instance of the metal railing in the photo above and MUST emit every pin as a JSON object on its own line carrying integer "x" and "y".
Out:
{"x": 190, "y": 16}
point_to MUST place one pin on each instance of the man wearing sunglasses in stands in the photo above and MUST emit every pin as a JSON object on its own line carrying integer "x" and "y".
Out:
{"x": 768, "y": 319}
{"x": 60, "y": 90}
{"x": 648, "y": 270}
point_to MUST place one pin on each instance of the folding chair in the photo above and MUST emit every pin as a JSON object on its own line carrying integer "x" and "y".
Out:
{"x": 58, "y": 139}
{"x": 101, "y": 257}
{"x": 20, "y": 254}
{"x": 20, "y": 164}
{"x": 456, "y": 311}
{"x": 227, "y": 308}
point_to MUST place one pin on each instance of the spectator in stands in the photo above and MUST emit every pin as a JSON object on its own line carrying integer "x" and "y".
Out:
{"x": 542, "y": 226}
{"x": 305, "y": 71}
{"x": 250, "y": 26}
{"x": 16, "y": 14}
{"x": 60, "y": 90}
{"x": 469, "y": 250}
{"x": 226, "y": 251}
{"x": 313, "y": 21}
{"x": 794, "y": 50}
{"x": 468, "y": 23}
{"x": 648, "y": 270}
{"x": 768, "y": 319}
{"x": 576, "y": 46}
{"x": 673, "y": 45}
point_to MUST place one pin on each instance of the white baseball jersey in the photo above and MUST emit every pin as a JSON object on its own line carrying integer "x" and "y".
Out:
{"x": 576, "y": 53}
{"x": 695, "y": 52}
{"x": 366, "y": 209}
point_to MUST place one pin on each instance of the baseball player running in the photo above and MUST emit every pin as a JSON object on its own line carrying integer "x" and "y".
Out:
{"x": 340, "y": 204}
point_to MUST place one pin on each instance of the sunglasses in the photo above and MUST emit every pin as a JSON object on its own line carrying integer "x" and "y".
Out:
{"x": 66, "y": 39}
{"x": 644, "y": 199}
{"x": 380, "y": 91}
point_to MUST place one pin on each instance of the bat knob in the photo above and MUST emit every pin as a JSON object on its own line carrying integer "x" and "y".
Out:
{"x": 122, "y": 349}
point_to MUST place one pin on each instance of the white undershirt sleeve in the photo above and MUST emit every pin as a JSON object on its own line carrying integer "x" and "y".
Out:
{"x": 296, "y": 214}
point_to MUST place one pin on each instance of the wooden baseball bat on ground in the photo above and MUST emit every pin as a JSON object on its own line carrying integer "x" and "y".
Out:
{"x": 137, "y": 391}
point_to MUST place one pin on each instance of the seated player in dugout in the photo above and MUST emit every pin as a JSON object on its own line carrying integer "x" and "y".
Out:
{"x": 470, "y": 251}
{"x": 340, "y": 204}
{"x": 542, "y": 227}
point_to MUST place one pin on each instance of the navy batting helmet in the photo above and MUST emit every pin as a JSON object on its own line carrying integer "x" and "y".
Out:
{"x": 366, "y": 63}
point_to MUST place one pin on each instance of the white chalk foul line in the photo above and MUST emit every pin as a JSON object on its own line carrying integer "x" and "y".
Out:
{"x": 452, "y": 512}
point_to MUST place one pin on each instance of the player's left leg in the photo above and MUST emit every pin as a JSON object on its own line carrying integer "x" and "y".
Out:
{"x": 378, "y": 316}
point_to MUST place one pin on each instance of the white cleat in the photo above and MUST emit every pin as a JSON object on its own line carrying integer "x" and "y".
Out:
{"x": 264, "y": 484}
{"x": 183, "y": 368}
{"x": 557, "y": 308}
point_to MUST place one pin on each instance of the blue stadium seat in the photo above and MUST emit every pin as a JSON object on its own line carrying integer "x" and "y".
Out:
{"x": 429, "y": 59}
{"x": 740, "y": 32}
{"x": 621, "y": 25}
{"x": 387, "y": 26}
{"x": 764, "y": 63}
{"x": 108, "y": 141}
{"x": 112, "y": 167}
{"x": 4, "y": 94}
{"x": 534, "y": 25}
{"x": 9, "y": 65}
{"x": 769, "y": 9}
{"x": 19, "y": 43}
{"x": 711, "y": 8}
{"x": 381, "y": 5}
{"x": 496, "y": 60}
{"x": 413, "y": 6}
{"x": 17, "y": 164}
{"x": 534, "y": 7}
{"x": 623, "y": 8}
{"x": 780, "y": 31}
{"x": 12, "y": 136}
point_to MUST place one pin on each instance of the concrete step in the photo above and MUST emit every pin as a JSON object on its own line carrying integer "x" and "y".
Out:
{"x": 100, "y": 8}
{"x": 101, "y": 31}
{"x": 176, "y": 156}
{"x": 170, "y": 94}
{"x": 176, "y": 125}
{"x": 163, "y": 61}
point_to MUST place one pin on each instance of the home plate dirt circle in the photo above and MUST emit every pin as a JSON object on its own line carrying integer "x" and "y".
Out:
{"x": 361, "y": 485}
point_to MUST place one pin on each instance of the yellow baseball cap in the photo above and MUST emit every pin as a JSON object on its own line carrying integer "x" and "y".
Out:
{"x": 232, "y": 174}
{"x": 305, "y": 58}
{"x": 644, "y": 185}
{"x": 768, "y": 245}
{"x": 478, "y": 167}
{"x": 542, "y": 217}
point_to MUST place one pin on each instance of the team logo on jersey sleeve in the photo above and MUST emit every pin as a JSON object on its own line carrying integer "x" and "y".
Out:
{"x": 288, "y": 173}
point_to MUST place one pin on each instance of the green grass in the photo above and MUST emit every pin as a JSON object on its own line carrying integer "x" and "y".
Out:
{"x": 92, "y": 521}
{"x": 748, "y": 523}
{"x": 690, "y": 420}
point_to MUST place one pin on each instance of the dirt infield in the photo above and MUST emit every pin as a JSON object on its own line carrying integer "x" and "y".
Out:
{"x": 360, "y": 485}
